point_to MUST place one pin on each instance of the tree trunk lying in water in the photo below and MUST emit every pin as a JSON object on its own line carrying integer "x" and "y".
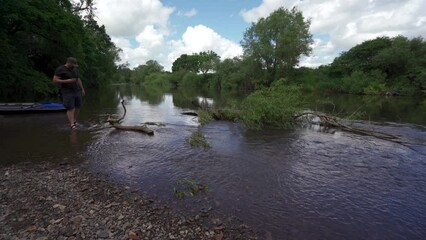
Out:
{"x": 336, "y": 123}
{"x": 143, "y": 129}
{"x": 115, "y": 123}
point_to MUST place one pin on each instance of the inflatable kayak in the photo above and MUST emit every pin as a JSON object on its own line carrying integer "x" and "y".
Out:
{"x": 17, "y": 108}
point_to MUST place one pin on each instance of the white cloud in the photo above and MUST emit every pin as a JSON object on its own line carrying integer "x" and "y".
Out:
{"x": 190, "y": 13}
{"x": 323, "y": 52}
{"x": 201, "y": 38}
{"x": 126, "y": 18}
{"x": 150, "y": 45}
{"x": 350, "y": 22}
{"x": 141, "y": 22}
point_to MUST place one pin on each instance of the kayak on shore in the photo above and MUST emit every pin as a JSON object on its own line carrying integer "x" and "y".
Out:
{"x": 18, "y": 108}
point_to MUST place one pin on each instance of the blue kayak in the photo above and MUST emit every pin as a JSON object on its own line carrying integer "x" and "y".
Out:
{"x": 17, "y": 108}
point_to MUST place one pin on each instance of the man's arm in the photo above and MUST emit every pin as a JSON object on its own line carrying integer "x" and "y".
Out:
{"x": 81, "y": 87}
{"x": 57, "y": 79}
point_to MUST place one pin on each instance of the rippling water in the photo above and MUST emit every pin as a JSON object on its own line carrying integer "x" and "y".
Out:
{"x": 298, "y": 184}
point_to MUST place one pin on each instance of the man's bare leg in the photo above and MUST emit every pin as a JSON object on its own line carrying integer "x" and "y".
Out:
{"x": 76, "y": 113}
{"x": 70, "y": 115}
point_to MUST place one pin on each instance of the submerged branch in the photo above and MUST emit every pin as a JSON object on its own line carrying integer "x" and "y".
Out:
{"x": 115, "y": 123}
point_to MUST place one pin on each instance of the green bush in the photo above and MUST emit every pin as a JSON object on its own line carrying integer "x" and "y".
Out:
{"x": 191, "y": 79}
{"x": 158, "y": 80}
{"x": 272, "y": 107}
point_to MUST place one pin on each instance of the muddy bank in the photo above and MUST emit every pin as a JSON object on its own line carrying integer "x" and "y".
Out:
{"x": 50, "y": 201}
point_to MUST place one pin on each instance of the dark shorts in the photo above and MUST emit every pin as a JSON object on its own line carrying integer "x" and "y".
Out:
{"x": 71, "y": 100}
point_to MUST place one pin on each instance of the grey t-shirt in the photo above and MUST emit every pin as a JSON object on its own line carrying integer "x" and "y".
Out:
{"x": 65, "y": 73}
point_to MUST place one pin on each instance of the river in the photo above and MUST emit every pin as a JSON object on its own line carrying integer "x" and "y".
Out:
{"x": 305, "y": 183}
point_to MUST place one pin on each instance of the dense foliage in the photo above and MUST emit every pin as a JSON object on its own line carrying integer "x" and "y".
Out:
{"x": 379, "y": 66}
{"x": 38, "y": 36}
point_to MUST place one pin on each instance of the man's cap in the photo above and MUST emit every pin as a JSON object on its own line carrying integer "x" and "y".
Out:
{"x": 72, "y": 60}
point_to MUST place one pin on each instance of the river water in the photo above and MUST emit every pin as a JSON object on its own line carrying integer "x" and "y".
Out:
{"x": 306, "y": 183}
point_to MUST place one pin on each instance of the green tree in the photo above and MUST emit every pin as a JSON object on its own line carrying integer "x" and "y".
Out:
{"x": 101, "y": 54}
{"x": 208, "y": 61}
{"x": 277, "y": 42}
{"x": 394, "y": 64}
{"x": 141, "y": 72}
{"x": 187, "y": 63}
{"x": 360, "y": 57}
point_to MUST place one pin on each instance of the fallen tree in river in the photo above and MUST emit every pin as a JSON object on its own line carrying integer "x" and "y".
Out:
{"x": 116, "y": 123}
{"x": 304, "y": 118}
{"x": 330, "y": 121}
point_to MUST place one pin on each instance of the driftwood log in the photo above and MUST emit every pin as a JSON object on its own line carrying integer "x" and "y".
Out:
{"x": 336, "y": 123}
{"x": 116, "y": 123}
{"x": 143, "y": 129}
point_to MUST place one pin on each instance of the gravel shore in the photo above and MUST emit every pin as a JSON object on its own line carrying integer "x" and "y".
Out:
{"x": 50, "y": 201}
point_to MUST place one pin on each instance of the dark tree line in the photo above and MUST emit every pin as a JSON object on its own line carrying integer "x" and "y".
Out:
{"x": 38, "y": 36}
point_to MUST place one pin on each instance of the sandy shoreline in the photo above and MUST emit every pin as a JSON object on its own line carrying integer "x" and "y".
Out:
{"x": 51, "y": 201}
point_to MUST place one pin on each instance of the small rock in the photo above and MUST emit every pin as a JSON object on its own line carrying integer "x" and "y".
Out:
{"x": 84, "y": 188}
{"x": 219, "y": 228}
{"x": 219, "y": 236}
{"x": 217, "y": 222}
{"x": 102, "y": 234}
{"x": 60, "y": 206}
{"x": 133, "y": 236}
{"x": 68, "y": 231}
{"x": 77, "y": 221}
{"x": 31, "y": 228}
{"x": 53, "y": 221}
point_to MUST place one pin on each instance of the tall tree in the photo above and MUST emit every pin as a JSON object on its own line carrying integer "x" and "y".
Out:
{"x": 277, "y": 42}
{"x": 141, "y": 72}
{"x": 186, "y": 62}
{"x": 208, "y": 61}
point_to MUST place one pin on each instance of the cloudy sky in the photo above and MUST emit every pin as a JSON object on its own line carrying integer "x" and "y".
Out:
{"x": 162, "y": 30}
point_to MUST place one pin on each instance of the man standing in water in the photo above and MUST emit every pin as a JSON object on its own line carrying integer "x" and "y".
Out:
{"x": 71, "y": 88}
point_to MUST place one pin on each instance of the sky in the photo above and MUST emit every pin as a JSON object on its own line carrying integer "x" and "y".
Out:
{"x": 162, "y": 30}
